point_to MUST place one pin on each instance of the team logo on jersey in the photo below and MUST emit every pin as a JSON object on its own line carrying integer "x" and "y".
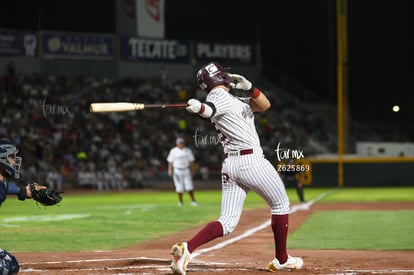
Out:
{"x": 247, "y": 112}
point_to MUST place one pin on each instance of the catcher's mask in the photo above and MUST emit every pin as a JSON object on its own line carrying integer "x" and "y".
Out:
{"x": 8, "y": 263}
{"x": 9, "y": 151}
{"x": 212, "y": 75}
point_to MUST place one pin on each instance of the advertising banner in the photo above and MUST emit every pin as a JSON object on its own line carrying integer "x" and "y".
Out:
{"x": 18, "y": 43}
{"x": 150, "y": 18}
{"x": 77, "y": 46}
{"x": 239, "y": 53}
{"x": 159, "y": 50}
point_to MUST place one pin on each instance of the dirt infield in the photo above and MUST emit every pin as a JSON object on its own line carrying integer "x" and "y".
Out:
{"x": 248, "y": 255}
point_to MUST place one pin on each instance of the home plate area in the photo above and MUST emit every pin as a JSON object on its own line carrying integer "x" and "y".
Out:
{"x": 247, "y": 250}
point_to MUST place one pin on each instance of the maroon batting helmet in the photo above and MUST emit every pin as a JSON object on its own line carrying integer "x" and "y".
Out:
{"x": 212, "y": 75}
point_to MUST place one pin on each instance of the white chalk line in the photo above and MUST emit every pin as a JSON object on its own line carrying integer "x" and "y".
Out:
{"x": 373, "y": 271}
{"x": 247, "y": 233}
{"x": 295, "y": 208}
{"x": 100, "y": 260}
{"x": 10, "y": 222}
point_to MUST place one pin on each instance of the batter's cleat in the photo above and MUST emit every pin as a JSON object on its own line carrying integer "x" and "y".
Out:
{"x": 180, "y": 258}
{"x": 194, "y": 203}
{"x": 291, "y": 263}
{"x": 180, "y": 204}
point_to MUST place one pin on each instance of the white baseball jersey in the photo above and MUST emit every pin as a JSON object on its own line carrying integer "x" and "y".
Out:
{"x": 234, "y": 121}
{"x": 181, "y": 158}
{"x": 247, "y": 171}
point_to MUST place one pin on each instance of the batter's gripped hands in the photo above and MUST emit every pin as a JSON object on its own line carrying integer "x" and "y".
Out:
{"x": 194, "y": 106}
{"x": 240, "y": 82}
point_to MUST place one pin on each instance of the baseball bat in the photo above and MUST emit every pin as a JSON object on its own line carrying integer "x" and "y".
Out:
{"x": 102, "y": 107}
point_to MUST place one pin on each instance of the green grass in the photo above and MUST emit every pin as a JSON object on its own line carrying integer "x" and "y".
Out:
{"x": 372, "y": 230}
{"x": 104, "y": 220}
{"x": 101, "y": 221}
{"x": 346, "y": 229}
{"x": 362, "y": 194}
{"x": 310, "y": 193}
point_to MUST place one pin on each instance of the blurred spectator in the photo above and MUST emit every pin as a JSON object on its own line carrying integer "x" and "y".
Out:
{"x": 103, "y": 179}
{"x": 54, "y": 179}
{"x": 88, "y": 177}
{"x": 10, "y": 81}
{"x": 292, "y": 177}
{"x": 134, "y": 142}
{"x": 118, "y": 182}
{"x": 164, "y": 81}
{"x": 68, "y": 170}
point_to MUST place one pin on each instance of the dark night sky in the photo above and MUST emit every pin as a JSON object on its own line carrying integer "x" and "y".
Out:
{"x": 297, "y": 37}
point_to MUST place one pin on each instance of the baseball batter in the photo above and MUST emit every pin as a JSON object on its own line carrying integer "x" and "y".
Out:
{"x": 244, "y": 167}
{"x": 180, "y": 167}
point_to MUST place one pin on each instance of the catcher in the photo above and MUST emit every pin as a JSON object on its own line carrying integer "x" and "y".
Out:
{"x": 9, "y": 170}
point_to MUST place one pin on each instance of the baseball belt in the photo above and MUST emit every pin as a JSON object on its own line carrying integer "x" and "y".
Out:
{"x": 238, "y": 153}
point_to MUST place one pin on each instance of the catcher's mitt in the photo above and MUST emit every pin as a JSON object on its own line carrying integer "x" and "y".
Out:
{"x": 44, "y": 196}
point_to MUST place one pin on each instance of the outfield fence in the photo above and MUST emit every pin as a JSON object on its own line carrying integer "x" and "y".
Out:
{"x": 362, "y": 171}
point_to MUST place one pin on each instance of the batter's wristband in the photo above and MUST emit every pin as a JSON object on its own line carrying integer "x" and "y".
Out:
{"x": 255, "y": 93}
{"x": 202, "y": 109}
